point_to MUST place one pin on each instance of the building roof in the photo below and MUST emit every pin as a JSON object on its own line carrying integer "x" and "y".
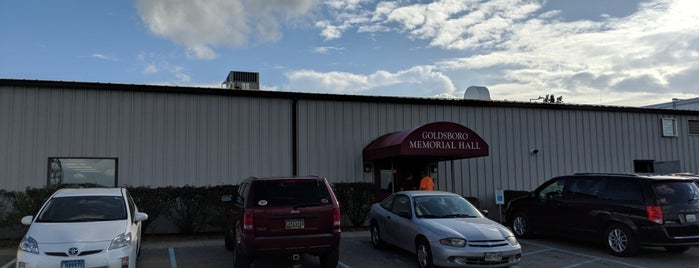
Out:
{"x": 678, "y": 104}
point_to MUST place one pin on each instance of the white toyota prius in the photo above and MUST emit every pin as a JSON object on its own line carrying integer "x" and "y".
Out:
{"x": 82, "y": 228}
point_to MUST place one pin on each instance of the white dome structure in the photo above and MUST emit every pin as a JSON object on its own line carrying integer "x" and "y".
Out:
{"x": 477, "y": 93}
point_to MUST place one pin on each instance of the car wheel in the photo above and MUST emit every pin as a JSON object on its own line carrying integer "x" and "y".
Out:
{"x": 620, "y": 240}
{"x": 228, "y": 239}
{"x": 676, "y": 249}
{"x": 376, "y": 236}
{"x": 330, "y": 259}
{"x": 424, "y": 254}
{"x": 520, "y": 226}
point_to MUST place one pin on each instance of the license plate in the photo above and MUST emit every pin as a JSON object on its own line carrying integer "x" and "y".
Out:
{"x": 691, "y": 217}
{"x": 73, "y": 264}
{"x": 294, "y": 224}
{"x": 493, "y": 256}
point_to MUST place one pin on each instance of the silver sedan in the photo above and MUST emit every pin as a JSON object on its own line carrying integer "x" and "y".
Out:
{"x": 442, "y": 229}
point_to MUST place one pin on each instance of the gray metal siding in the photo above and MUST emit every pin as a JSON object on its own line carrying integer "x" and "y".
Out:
{"x": 159, "y": 139}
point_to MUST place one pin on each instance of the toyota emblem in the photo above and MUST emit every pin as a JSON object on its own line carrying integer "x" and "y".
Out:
{"x": 73, "y": 251}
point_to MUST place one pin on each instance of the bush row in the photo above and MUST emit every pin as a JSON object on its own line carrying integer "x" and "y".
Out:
{"x": 196, "y": 209}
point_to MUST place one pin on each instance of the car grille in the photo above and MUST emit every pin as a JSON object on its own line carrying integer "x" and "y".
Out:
{"x": 63, "y": 254}
{"x": 482, "y": 262}
{"x": 487, "y": 243}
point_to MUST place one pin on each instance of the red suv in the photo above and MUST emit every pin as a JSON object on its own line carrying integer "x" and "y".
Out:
{"x": 285, "y": 215}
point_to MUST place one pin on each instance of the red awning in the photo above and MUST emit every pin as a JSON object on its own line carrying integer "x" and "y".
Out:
{"x": 439, "y": 140}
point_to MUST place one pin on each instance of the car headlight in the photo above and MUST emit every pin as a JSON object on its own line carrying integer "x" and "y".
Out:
{"x": 512, "y": 240}
{"x": 30, "y": 245}
{"x": 453, "y": 242}
{"x": 121, "y": 241}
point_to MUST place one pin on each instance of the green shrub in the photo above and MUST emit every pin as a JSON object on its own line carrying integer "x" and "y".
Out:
{"x": 152, "y": 201}
{"x": 355, "y": 200}
{"x": 474, "y": 201}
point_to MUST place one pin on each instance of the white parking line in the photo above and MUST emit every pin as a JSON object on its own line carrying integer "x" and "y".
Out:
{"x": 595, "y": 258}
{"x": 342, "y": 265}
{"x": 9, "y": 264}
{"x": 173, "y": 262}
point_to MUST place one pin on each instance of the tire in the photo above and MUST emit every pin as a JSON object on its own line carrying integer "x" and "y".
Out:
{"x": 240, "y": 260}
{"x": 330, "y": 259}
{"x": 676, "y": 249}
{"x": 423, "y": 254}
{"x": 229, "y": 240}
{"x": 620, "y": 241}
{"x": 520, "y": 226}
{"x": 376, "y": 236}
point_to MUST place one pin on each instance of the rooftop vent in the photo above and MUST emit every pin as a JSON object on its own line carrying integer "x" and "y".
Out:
{"x": 477, "y": 93}
{"x": 242, "y": 80}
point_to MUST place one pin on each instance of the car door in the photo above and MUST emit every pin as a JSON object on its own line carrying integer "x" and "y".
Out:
{"x": 545, "y": 214}
{"x": 579, "y": 206}
{"x": 398, "y": 220}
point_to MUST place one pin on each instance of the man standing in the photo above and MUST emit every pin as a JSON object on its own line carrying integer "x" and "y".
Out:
{"x": 426, "y": 182}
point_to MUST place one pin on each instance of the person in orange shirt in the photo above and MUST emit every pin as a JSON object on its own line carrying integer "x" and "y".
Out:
{"x": 426, "y": 182}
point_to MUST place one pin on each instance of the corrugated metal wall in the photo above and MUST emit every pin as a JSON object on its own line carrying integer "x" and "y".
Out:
{"x": 159, "y": 139}
{"x": 568, "y": 141}
{"x": 171, "y": 137}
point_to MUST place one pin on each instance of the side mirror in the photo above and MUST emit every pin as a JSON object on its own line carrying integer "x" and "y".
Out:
{"x": 27, "y": 220}
{"x": 226, "y": 198}
{"x": 485, "y": 212}
{"x": 140, "y": 216}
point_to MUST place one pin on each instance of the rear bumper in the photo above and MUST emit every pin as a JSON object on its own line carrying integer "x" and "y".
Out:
{"x": 659, "y": 235}
{"x": 311, "y": 244}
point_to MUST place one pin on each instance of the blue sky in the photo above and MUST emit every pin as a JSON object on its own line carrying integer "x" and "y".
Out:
{"x": 608, "y": 52}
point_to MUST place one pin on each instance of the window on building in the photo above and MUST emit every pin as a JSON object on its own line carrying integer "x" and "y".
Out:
{"x": 693, "y": 127}
{"x": 669, "y": 127}
{"x": 88, "y": 172}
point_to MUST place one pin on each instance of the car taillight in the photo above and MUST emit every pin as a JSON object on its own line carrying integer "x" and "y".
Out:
{"x": 336, "y": 218}
{"x": 247, "y": 220}
{"x": 655, "y": 214}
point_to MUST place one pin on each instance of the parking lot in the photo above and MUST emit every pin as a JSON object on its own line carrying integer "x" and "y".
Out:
{"x": 356, "y": 251}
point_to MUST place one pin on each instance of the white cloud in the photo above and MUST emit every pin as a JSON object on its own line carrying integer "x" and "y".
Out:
{"x": 204, "y": 24}
{"x": 416, "y": 81}
{"x": 327, "y": 50}
{"x": 102, "y": 57}
{"x": 150, "y": 69}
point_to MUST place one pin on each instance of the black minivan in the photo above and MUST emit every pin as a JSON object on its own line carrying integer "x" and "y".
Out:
{"x": 625, "y": 211}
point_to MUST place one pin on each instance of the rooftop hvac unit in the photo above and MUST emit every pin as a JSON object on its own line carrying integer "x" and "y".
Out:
{"x": 242, "y": 80}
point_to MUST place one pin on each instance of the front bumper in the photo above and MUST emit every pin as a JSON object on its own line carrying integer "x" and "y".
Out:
{"x": 95, "y": 255}
{"x": 446, "y": 256}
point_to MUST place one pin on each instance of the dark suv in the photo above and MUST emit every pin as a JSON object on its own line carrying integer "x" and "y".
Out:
{"x": 623, "y": 211}
{"x": 288, "y": 216}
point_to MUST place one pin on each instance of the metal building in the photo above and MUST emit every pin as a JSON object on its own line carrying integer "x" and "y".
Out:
{"x": 140, "y": 135}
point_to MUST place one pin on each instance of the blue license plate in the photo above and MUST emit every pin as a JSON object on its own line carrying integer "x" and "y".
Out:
{"x": 73, "y": 264}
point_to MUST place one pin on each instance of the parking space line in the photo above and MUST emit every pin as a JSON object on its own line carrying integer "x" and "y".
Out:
{"x": 173, "y": 262}
{"x": 9, "y": 263}
{"x": 342, "y": 265}
{"x": 536, "y": 252}
{"x": 582, "y": 263}
{"x": 584, "y": 255}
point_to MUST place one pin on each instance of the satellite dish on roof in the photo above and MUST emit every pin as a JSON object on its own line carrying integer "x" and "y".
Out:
{"x": 477, "y": 93}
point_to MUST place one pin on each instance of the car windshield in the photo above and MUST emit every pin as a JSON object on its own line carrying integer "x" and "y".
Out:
{"x": 83, "y": 209}
{"x": 444, "y": 207}
{"x": 676, "y": 192}
{"x": 297, "y": 193}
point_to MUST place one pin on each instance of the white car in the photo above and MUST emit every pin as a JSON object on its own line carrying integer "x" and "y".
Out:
{"x": 80, "y": 228}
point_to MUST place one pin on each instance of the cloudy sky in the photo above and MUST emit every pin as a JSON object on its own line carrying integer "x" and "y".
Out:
{"x": 601, "y": 52}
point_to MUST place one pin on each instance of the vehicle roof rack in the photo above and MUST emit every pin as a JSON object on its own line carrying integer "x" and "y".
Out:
{"x": 606, "y": 174}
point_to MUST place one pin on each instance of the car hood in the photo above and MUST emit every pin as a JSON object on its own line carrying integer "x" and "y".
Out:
{"x": 468, "y": 228}
{"x": 51, "y": 233}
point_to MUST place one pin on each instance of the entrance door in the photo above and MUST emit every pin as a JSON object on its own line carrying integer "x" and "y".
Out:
{"x": 384, "y": 179}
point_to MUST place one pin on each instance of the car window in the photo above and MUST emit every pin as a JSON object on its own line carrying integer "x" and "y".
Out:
{"x": 623, "y": 190}
{"x": 83, "y": 209}
{"x": 582, "y": 188}
{"x": 676, "y": 192}
{"x": 290, "y": 193}
{"x": 132, "y": 205}
{"x": 444, "y": 207}
{"x": 401, "y": 204}
{"x": 553, "y": 190}
{"x": 388, "y": 202}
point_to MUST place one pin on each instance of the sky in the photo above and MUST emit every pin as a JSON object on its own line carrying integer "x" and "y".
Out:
{"x": 598, "y": 52}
